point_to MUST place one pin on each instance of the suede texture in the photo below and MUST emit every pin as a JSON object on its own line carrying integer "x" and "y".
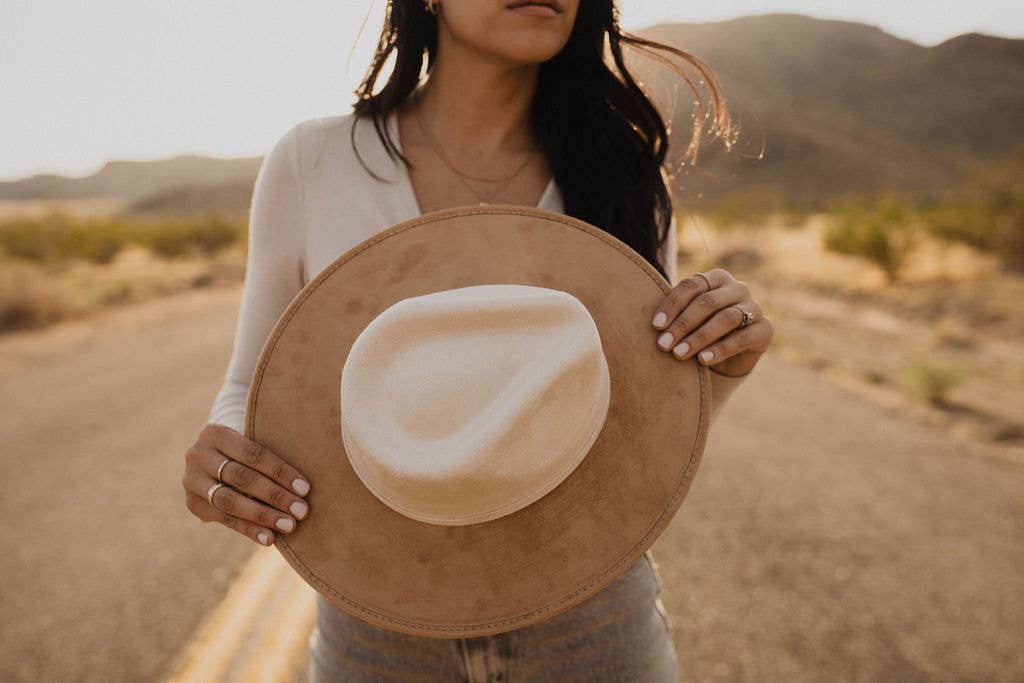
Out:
{"x": 527, "y": 566}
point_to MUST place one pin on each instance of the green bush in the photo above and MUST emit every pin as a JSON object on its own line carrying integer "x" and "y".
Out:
{"x": 56, "y": 237}
{"x": 933, "y": 381}
{"x": 23, "y": 239}
{"x": 882, "y": 232}
{"x": 208, "y": 236}
{"x": 35, "y": 239}
{"x": 96, "y": 241}
{"x": 988, "y": 214}
{"x": 214, "y": 234}
{"x": 168, "y": 240}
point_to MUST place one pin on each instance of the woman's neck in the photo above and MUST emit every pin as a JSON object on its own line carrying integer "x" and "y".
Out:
{"x": 477, "y": 105}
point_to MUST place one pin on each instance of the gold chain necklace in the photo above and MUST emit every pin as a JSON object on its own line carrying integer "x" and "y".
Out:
{"x": 463, "y": 176}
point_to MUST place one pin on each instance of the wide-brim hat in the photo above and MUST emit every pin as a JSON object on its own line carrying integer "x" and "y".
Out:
{"x": 379, "y": 317}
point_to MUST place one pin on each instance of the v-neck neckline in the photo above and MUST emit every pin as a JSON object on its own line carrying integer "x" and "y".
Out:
{"x": 412, "y": 202}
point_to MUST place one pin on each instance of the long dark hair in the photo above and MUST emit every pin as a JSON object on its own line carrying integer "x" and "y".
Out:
{"x": 603, "y": 138}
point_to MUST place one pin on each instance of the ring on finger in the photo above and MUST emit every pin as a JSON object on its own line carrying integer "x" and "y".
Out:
{"x": 710, "y": 286}
{"x": 748, "y": 317}
{"x": 220, "y": 470}
{"x": 212, "y": 490}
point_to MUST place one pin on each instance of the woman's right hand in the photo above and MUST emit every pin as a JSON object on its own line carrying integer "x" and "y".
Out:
{"x": 268, "y": 483}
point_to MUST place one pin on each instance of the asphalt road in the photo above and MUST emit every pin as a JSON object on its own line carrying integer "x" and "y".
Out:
{"x": 826, "y": 539}
{"x": 823, "y": 539}
{"x": 105, "y": 572}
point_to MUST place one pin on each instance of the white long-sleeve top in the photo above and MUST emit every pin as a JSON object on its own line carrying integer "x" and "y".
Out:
{"x": 312, "y": 202}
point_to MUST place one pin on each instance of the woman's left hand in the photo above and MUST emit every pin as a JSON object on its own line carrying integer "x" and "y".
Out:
{"x": 696, "y": 319}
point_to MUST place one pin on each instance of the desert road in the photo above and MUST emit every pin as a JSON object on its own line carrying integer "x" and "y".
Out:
{"x": 824, "y": 539}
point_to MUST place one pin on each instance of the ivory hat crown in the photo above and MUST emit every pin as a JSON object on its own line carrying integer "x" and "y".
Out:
{"x": 467, "y": 404}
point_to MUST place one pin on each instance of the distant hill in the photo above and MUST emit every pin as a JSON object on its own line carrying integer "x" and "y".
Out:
{"x": 181, "y": 183}
{"x": 844, "y": 107}
{"x": 839, "y": 107}
{"x": 232, "y": 196}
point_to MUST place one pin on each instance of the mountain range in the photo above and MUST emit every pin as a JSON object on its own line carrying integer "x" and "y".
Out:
{"x": 836, "y": 107}
{"x": 825, "y": 108}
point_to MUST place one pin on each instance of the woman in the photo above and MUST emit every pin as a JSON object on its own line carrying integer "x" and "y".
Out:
{"x": 518, "y": 107}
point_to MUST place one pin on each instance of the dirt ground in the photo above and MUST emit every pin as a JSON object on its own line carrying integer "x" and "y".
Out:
{"x": 953, "y": 308}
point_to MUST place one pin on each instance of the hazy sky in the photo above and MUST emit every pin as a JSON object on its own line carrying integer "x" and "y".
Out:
{"x": 84, "y": 82}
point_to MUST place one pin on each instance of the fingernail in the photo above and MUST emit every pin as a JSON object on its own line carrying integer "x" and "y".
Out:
{"x": 286, "y": 524}
{"x": 301, "y": 486}
{"x": 299, "y": 509}
{"x": 264, "y": 537}
{"x": 665, "y": 340}
{"x": 705, "y": 355}
{"x": 659, "y": 319}
{"x": 681, "y": 348}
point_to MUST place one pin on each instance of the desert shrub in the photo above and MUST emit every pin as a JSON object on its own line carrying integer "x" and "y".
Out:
{"x": 987, "y": 214}
{"x": 97, "y": 241}
{"x": 173, "y": 238}
{"x": 934, "y": 380}
{"x": 117, "y": 292}
{"x": 214, "y": 234}
{"x": 881, "y": 231}
{"x": 28, "y": 298}
{"x": 57, "y": 237}
{"x": 32, "y": 239}
{"x": 168, "y": 239}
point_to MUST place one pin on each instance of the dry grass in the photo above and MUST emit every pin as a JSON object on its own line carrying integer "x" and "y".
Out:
{"x": 947, "y": 335}
{"x": 67, "y": 259}
{"x": 33, "y": 295}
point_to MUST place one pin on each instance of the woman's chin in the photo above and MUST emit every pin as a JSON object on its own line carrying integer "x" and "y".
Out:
{"x": 529, "y": 46}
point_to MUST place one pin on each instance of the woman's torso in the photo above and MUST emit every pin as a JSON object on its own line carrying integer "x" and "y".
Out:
{"x": 340, "y": 211}
{"x": 339, "y": 215}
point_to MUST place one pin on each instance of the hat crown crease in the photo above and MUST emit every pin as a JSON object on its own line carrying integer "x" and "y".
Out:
{"x": 518, "y": 444}
{"x": 532, "y": 380}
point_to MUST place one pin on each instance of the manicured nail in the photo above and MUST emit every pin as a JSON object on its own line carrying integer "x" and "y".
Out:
{"x": 301, "y": 486}
{"x": 299, "y": 509}
{"x": 286, "y": 524}
{"x": 705, "y": 355}
{"x": 659, "y": 319}
{"x": 264, "y": 537}
{"x": 665, "y": 340}
{"x": 681, "y": 348}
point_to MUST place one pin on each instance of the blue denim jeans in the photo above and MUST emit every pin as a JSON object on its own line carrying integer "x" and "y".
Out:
{"x": 620, "y": 634}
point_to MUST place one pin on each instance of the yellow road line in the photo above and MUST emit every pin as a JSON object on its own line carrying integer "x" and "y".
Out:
{"x": 236, "y": 621}
{"x": 285, "y": 640}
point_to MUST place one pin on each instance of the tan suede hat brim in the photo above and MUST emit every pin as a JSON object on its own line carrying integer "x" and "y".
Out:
{"x": 523, "y": 568}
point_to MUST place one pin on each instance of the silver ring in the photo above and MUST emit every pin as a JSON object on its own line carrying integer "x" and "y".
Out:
{"x": 220, "y": 470}
{"x": 748, "y": 317}
{"x": 710, "y": 286}
{"x": 212, "y": 490}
